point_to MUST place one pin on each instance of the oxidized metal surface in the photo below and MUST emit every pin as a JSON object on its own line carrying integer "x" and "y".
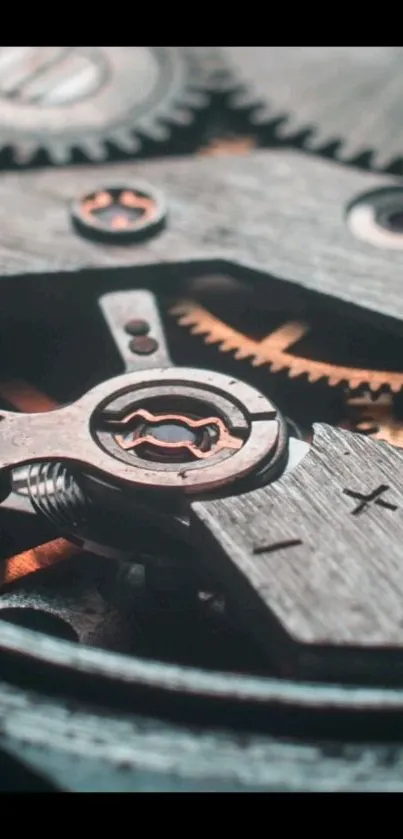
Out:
{"x": 59, "y": 98}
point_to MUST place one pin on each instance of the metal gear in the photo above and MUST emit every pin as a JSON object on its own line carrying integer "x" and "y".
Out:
{"x": 342, "y": 95}
{"x": 375, "y": 418}
{"x": 58, "y": 99}
{"x": 273, "y": 351}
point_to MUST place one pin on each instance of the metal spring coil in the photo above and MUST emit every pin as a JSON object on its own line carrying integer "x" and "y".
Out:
{"x": 55, "y": 493}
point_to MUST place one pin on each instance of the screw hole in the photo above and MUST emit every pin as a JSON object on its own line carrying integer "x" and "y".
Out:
{"x": 392, "y": 221}
{"x": 377, "y": 218}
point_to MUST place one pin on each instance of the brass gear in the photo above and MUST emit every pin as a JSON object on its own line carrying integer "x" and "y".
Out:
{"x": 375, "y": 418}
{"x": 273, "y": 351}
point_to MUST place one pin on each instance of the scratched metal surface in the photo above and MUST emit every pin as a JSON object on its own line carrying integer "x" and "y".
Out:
{"x": 82, "y": 733}
{"x": 315, "y": 558}
{"x": 282, "y": 213}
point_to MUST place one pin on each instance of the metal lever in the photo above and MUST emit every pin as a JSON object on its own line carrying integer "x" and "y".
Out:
{"x": 135, "y": 325}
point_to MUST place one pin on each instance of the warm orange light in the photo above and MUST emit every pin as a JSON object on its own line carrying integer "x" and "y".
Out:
{"x": 35, "y": 559}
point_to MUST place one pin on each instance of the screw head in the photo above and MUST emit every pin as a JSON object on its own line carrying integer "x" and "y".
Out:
{"x": 119, "y": 215}
{"x": 136, "y": 326}
{"x": 143, "y": 345}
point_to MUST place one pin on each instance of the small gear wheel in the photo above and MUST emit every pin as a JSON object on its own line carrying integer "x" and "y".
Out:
{"x": 58, "y": 99}
{"x": 349, "y": 97}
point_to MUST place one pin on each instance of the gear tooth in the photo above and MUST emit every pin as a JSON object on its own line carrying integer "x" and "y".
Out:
{"x": 241, "y": 355}
{"x": 227, "y": 346}
{"x": 188, "y": 320}
{"x": 24, "y": 151}
{"x": 94, "y": 148}
{"x": 374, "y": 387}
{"x": 379, "y": 160}
{"x": 156, "y": 131}
{"x": 125, "y": 140}
{"x": 195, "y": 99}
{"x": 198, "y": 329}
{"x": 318, "y": 376}
{"x": 258, "y": 361}
{"x": 262, "y": 115}
{"x": 289, "y": 126}
{"x": 181, "y": 117}
{"x": 275, "y": 355}
{"x": 294, "y": 372}
{"x": 275, "y": 366}
{"x": 186, "y": 77}
{"x": 181, "y": 307}
{"x": 242, "y": 98}
{"x": 327, "y": 88}
{"x": 346, "y": 149}
{"x": 60, "y": 153}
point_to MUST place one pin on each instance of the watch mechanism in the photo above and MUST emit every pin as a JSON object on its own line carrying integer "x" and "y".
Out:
{"x": 201, "y": 407}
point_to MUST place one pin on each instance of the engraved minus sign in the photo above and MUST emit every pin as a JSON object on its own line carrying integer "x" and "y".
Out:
{"x": 277, "y": 546}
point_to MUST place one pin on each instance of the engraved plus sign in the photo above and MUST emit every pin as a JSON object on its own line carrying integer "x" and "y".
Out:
{"x": 366, "y": 500}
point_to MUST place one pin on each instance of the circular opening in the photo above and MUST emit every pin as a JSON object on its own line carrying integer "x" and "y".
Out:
{"x": 392, "y": 220}
{"x": 377, "y": 218}
{"x": 39, "y": 621}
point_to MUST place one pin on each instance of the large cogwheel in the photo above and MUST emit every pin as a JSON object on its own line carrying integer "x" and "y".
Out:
{"x": 349, "y": 96}
{"x": 276, "y": 351}
{"x": 58, "y": 99}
